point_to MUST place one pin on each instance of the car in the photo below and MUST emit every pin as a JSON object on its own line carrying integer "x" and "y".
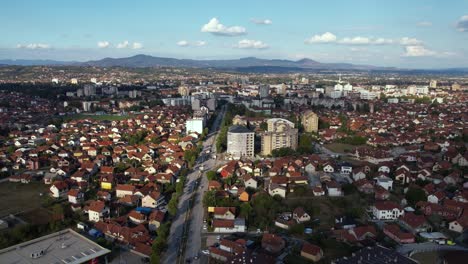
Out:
{"x": 218, "y": 237}
{"x": 259, "y": 231}
{"x": 204, "y": 220}
{"x": 451, "y": 243}
{"x": 195, "y": 258}
{"x": 205, "y": 252}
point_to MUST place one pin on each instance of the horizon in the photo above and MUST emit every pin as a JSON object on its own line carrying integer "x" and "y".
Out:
{"x": 417, "y": 35}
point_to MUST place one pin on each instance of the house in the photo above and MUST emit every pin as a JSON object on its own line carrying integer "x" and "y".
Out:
{"x": 386, "y": 210}
{"x": 275, "y": 189}
{"x": 436, "y": 197}
{"x": 229, "y": 226}
{"x": 311, "y": 252}
{"x": 225, "y": 213}
{"x": 333, "y": 189}
{"x": 136, "y": 217}
{"x": 152, "y": 200}
{"x": 300, "y": 215}
{"x": 124, "y": 189}
{"x": 359, "y": 174}
{"x": 346, "y": 168}
{"x": 328, "y": 168}
{"x": 155, "y": 219}
{"x": 385, "y": 182}
{"x": 59, "y": 189}
{"x": 97, "y": 211}
{"x": 273, "y": 243}
{"x": 394, "y": 232}
{"x": 364, "y": 186}
{"x": 107, "y": 181}
{"x": 460, "y": 225}
{"x": 250, "y": 182}
{"x": 414, "y": 223}
{"x": 318, "y": 191}
{"x": 75, "y": 196}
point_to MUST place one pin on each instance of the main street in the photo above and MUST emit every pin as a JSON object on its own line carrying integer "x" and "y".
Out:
{"x": 192, "y": 218}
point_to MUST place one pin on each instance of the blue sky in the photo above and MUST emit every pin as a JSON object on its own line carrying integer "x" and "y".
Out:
{"x": 413, "y": 34}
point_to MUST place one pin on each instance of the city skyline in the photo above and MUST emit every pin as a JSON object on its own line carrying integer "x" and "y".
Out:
{"x": 419, "y": 34}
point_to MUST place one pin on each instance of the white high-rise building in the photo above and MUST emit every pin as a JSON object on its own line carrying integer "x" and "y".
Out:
{"x": 194, "y": 125}
{"x": 240, "y": 142}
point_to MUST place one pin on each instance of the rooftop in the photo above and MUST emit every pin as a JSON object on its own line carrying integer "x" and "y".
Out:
{"x": 63, "y": 247}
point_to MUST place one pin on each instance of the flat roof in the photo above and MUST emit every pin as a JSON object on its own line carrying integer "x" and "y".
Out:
{"x": 63, "y": 247}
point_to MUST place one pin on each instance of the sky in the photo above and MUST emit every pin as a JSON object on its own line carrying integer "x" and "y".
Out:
{"x": 398, "y": 33}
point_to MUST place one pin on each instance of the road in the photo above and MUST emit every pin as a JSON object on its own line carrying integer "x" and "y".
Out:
{"x": 192, "y": 218}
{"x": 427, "y": 247}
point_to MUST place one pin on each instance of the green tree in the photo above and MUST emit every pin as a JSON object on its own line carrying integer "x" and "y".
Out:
{"x": 211, "y": 175}
{"x": 414, "y": 195}
{"x": 245, "y": 210}
{"x": 172, "y": 205}
{"x": 209, "y": 199}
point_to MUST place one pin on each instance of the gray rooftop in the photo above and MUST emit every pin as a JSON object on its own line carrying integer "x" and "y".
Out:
{"x": 63, "y": 247}
{"x": 239, "y": 129}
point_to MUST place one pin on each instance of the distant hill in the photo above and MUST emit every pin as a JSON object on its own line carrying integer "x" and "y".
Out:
{"x": 35, "y": 62}
{"x": 249, "y": 64}
{"x": 150, "y": 61}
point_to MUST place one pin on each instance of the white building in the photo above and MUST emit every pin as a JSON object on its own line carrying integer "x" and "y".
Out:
{"x": 229, "y": 226}
{"x": 194, "y": 125}
{"x": 366, "y": 95}
{"x": 336, "y": 94}
{"x": 240, "y": 142}
{"x": 386, "y": 210}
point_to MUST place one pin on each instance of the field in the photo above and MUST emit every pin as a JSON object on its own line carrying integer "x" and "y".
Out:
{"x": 16, "y": 197}
{"x": 99, "y": 117}
{"x": 339, "y": 147}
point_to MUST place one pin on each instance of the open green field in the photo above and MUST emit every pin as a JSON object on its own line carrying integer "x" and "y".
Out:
{"x": 339, "y": 147}
{"x": 99, "y": 117}
{"x": 17, "y": 197}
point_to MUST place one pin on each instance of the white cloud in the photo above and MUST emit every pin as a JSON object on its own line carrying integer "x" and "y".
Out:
{"x": 200, "y": 43}
{"x": 382, "y": 41}
{"x": 251, "y": 44}
{"x": 183, "y": 43}
{"x": 462, "y": 24}
{"x": 418, "y": 51}
{"x": 326, "y": 37}
{"x": 137, "y": 45}
{"x": 216, "y": 28}
{"x": 261, "y": 21}
{"x": 356, "y": 41}
{"x": 424, "y": 24}
{"x": 365, "y": 41}
{"x": 123, "y": 45}
{"x": 103, "y": 44}
{"x": 410, "y": 42}
{"x": 33, "y": 46}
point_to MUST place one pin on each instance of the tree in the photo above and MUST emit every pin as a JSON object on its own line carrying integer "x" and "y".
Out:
{"x": 414, "y": 195}
{"x": 209, "y": 199}
{"x": 211, "y": 175}
{"x": 245, "y": 210}
{"x": 172, "y": 205}
{"x": 283, "y": 152}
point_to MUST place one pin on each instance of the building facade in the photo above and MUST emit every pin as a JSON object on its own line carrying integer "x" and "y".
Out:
{"x": 280, "y": 134}
{"x": 240, "y": 142}
{"x": 310, "y": 121}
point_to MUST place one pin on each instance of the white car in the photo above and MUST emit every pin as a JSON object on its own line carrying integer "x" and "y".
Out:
{"x": 205, "y": 252}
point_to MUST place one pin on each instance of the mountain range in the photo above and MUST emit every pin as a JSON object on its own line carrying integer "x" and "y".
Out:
{"x": 249, "y": 64}
{"x": 141, "y": 60}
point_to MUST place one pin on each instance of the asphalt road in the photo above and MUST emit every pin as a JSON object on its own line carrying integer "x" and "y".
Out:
{"x": 189, "y": 246}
